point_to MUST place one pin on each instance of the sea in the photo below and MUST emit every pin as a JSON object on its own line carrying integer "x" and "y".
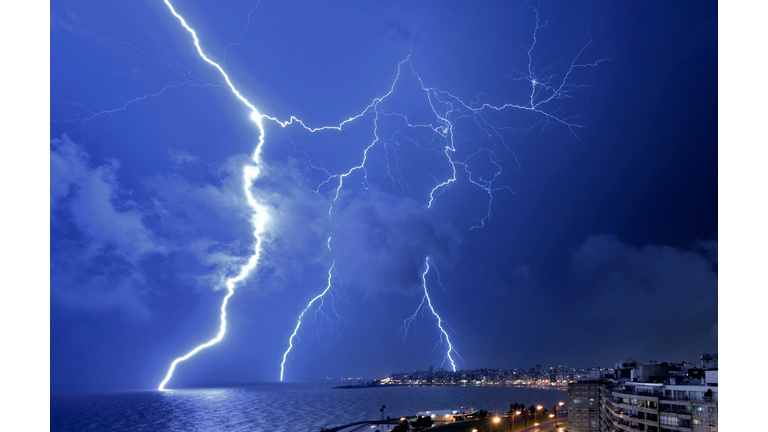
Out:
{"x": 293, "y": 407}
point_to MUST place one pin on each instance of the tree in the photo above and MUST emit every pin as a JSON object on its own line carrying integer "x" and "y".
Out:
{"x": 482, "y": 413}
{"x": 525, "y": 417}
{"x": 555, "y": 408}
{"x": 512, "y": 417}
{"x": 422, "y": 423}
{"x": 402, "y": 427}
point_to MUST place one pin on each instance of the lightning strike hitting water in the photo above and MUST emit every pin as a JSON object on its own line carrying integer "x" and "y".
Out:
{"x": 298, "y": 324}
{"x": 260, "y": 218}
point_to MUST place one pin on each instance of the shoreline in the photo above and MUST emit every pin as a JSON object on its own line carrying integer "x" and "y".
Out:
{"x": 363, "y": 426}
{"x": 360, "y": 386}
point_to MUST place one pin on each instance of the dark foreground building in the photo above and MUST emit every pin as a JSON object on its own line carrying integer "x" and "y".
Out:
{"x": 583, "y": 406}
{"x": 674, "y": 402}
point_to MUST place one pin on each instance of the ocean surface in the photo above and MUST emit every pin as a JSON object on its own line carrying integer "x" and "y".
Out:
{"x": 273, "y": 406}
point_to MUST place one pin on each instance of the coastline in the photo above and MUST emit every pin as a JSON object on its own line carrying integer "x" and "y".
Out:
{"x": 366, "y": 425}
{"x": 371, "y": 385}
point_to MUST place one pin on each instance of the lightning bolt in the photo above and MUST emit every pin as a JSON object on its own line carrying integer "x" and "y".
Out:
{"x": 372, "y": 106}
{"x": 298, "y": 324}
{"x": 440, "y": 322}
{"x": 260, "y": 214}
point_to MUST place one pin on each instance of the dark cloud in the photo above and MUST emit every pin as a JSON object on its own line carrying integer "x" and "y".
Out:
{"x": 381, "y": 242}
{"x": 522, "y": 271}
{"x": 645, "y": 301}
{"x": 397, "y": 30}
{"x": 105, "y": 236}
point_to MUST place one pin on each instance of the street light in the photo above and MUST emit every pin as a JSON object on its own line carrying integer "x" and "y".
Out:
{"x": 538, "y": 409}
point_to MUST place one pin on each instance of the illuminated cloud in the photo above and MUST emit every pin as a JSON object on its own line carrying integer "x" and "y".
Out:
{"x": 97, "y": 268}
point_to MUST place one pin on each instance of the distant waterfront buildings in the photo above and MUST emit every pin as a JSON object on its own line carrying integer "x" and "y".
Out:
{"x": 646, "y": 397}
{"x": 536, "y": 376}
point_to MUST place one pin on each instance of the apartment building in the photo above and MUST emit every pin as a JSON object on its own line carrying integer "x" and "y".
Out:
{"x": 647, "y": 397}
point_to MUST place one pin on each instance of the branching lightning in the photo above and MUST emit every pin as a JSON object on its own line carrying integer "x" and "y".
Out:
{"x": 298, "y": 324}
{"x": 440, "y": 322}
{"x": 447, "y": 110}
{"x": 545, "y": 89}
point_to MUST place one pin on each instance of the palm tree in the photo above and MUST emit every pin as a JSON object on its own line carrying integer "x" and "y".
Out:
{"x": 555, "y": 408}
{"x": 525, "y": 416}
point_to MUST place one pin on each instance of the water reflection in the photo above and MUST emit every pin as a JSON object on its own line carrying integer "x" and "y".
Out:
{"x": 272, "y": 406}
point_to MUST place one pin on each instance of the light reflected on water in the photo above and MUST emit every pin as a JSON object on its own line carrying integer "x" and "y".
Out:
{"x": 272, "y": 406}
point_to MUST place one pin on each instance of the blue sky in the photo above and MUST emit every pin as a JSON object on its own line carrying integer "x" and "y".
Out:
{"x": 603, "y": 237}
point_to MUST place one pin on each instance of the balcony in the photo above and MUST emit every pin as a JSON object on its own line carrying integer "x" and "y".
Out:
{"x": 677, "y": 409}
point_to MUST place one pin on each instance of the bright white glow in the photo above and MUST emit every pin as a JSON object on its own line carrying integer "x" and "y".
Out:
{"x": 259, "y": 220}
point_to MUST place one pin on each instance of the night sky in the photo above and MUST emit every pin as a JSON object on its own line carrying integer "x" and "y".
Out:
{"x": 601, "y": 244}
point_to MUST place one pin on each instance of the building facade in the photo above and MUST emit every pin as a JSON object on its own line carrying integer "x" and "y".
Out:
{"x": 612, "y": 406}
{"x": 648, "y": 407}
{"x": 584, "y": 406}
